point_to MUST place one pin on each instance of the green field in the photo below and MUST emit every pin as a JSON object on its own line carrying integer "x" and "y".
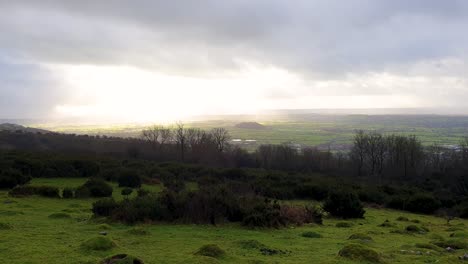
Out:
{"x": 30, "y": 235}
{"x": 319, "y": 130}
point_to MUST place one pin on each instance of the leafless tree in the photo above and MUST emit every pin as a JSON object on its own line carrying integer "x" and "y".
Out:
{"x": 221, "y": 138}
{"x": 181, "y": 139}
{"x": 152, "y": 135}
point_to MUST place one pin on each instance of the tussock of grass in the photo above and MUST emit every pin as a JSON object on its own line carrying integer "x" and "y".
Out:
{"x": 452, "y": 243}
{"x": 311, "y": 234}
{"x": 98, "y": 243}
{"x": 402, "y": 219}
{"x": 416, "y": 229}
{"x": 121, "y": 259}
{"x": 211, "y": 250}
{"x": 251, "y": 244}
{"x": 427, "y": 246}
{"x": 363, "y": 237}
{"x": 459, "y": 235}
{"x": 138, "y": 231}
{"x": 344, "y": 224}
{"x": 360, "y": 253}
{"x": 59, "y": 216}
{"x": 454, "y": 228}
{"x": 387, "y": 224}
{"x": 104, "y": 227}
{"x": 5, "y": 226}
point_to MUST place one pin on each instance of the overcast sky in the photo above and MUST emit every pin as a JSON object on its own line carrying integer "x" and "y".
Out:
{"x": 150, "y": 60}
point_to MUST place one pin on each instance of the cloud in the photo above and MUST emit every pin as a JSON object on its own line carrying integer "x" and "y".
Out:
{"x": 333, "y": 48}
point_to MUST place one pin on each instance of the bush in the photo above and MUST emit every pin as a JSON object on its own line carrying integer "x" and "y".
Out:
{"x": 297, "y": 215}
{"x": 98, "y": 243}
{"x": 266, "y": 214}
{"x": 422, "y": 203}
{"x": 129, "y": 178}
{"x": 142, "y": 192}
{"x": 416, "y": 229}
{"x": 344, "y": 204}
{"x": 462, "y": 210}
{"x": 82, "y": 192}
{"x": 127, "y": 191}
{"x": 311, "y": 234}
{"x": 68, "y": 193}
{"x": 10, "y": 178}
{"x": 98, "y": 188}
{"x": 344, "y": 224}
{"x": 312, "y": 191}
{"x": 211, "y": 250}
{"x": 104, "y": 207}
{"x": 359, "y": 253}
{"x": 46, "y": 191}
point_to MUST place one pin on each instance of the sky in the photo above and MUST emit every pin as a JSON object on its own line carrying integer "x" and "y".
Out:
{"x": 152, "y": 60}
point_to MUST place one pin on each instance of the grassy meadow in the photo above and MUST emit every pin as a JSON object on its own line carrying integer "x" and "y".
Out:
{"x": 46, "y": 230}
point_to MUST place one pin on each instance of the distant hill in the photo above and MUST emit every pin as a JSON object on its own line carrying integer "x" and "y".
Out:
{"x": 15, "y": 127}
{"x": 250, "y": 125}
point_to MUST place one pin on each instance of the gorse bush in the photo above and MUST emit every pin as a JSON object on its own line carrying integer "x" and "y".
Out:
{"x": 344, "y": 204}
{"x": 68, "y": 193}
{"x": 10, "y": 178}
{"x": 129, "y": 178}
{"x": 98, "y": 188}
{"x": 27, "y": 190}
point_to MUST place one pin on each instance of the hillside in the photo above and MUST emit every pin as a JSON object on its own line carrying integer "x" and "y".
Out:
{"x": 15, "y": 127}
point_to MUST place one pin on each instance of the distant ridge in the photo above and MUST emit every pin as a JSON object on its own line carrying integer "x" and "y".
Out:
{"x": 250, "y": 125}
{"x": 15, "y": 127}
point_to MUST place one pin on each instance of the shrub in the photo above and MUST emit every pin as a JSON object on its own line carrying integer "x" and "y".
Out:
{"x": 311, "y": 234}
{"x": 46, "y": 191}
{"x": 359, "y": 253}
{"x": 211, "y": 250}
{"x": 344, "y": 224}
{"x": 312, "y": 191}
{"x": 462, "y": 210}
{"x": 129, "y": 178}
{"x": 127, "y": 191}
{"x": 68, "y": 193}
{"x": 344, "y": 204}
{"x": 359, "y": 236}
{"x": 104, "y": 207}
{"x": 266, "y": 214}
{"x": 10, "y": 178}
{"x": 121, "y": 259}
{"x": 98, "y": 243}
{"x": 82, "y": 192}
{"x": 372, "y": 196}
{"x": 98, "y": 188}
{"x": 422, "y": 203}
{"x": 297, "y": 215}
{"x": 142, "y": 192}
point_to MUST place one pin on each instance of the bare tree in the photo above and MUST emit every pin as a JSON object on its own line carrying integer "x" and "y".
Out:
{"x": 358, "y": 151}
{"x": 166, "y": 136}
{"x": 221, "y": 138}
{"x": 152, "y": 135}
{"x": 181, "y": 139}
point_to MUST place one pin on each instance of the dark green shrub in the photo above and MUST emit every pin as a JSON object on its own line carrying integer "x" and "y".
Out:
{"x": 104, "y": 207}
{"x": 126, "y": 191}
{"x": 359, "y": 252}
{"x": 211, "y": 250}
{"x": 82, "y": 192}
{"x": 416, "y": 229}
{"x": 129, "y": 178}
{"x": 10, "y": 178}
{"x": 422, "y": 203}
{"x": 312, "y": 191}
{"x": 98, "y": 188}
{"x": 46, "y": 191}
{"x": 372, "y": 196}
{"x": 344, "y": 204}
{"x": 462, "y": 210}
{"x": 68, "y": 193}
{"x": 142, "y": 192}
{"x": 265, "y": 214}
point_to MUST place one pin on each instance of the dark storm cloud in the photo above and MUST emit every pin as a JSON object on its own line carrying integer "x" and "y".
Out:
{"x": 313, "y": 37}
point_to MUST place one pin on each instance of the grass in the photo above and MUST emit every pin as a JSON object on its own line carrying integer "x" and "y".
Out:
{"x": 36, "y": 238}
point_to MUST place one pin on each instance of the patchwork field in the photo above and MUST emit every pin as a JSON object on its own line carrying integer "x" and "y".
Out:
{"x": 334, "y": 131}
{"x": 45, "y": 230}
